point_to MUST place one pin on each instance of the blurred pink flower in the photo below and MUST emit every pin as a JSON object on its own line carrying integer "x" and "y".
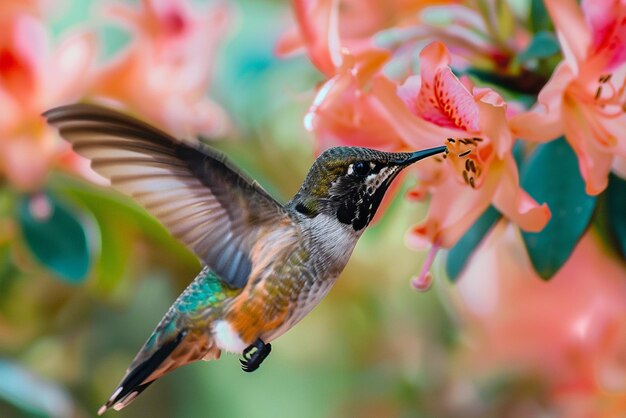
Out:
{"x": 165, "y": 73}
{"x": 480, "y": 169}
{"x": 34, "y": 78}
{"x": 570, "y": 331}
{"x": 20, "y": 6}
{"x": 586, "y": 96}
{"x": 326, "y": 27}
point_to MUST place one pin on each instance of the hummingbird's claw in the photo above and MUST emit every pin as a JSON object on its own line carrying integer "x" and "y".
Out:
{"x": 254, "y": 355}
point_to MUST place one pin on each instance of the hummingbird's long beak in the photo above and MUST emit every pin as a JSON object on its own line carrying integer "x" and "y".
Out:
{"x": 419, "y": 155}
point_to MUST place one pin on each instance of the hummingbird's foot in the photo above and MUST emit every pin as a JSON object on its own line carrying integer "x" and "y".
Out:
{"x": 254, "y": 355}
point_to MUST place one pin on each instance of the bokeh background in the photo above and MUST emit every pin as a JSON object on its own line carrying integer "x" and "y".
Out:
{"x": 500, "y": 343}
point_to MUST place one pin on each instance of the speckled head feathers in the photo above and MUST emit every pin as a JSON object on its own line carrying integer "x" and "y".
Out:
{"x": 350, "y": 182}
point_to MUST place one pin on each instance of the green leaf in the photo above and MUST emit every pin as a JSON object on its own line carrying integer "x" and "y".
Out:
{"x": 539, "y": 18}
{"x": 616, "y": 211}
{"x": 551, "y": 175}
{"x": 56, "y": 235}
{"x": 525, "y": 83}
{"x": 543, "y": 45}
{"x": 459, "y": 255}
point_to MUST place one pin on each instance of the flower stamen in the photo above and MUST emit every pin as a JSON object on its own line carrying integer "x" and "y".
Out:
{"x": 598, "y": 93}
{"x": 605, "y": 78}
{"x": 465, "y": 159}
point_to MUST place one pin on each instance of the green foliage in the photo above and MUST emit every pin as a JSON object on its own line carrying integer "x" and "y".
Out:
{"x": 616, "y": 211}
{"x": 57, "y": 239}
{"x": 543, "y": 45}
{"x": 459, "y": 255}
{"x": 551, "y": 175}
{"x": 539, "y": 18}
{"x": 517, "y": 85}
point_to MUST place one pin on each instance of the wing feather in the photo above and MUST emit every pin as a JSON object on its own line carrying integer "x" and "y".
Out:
{"x": 194, "y": 191}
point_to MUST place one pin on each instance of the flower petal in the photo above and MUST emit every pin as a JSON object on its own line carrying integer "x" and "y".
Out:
{"x": 161, "y": 72}
{"x": 416, "y": 132}
{"x": 23, "y": 53}
{"x": 344, "y": 114}
{"x": 595, "y": 163}
{"x": 492, "y": 120}
{"x": 69, "y": 74}
{"x": 442, "y": 98}
{"x": 26, "y": 159}
{"x": 572, "y": 30}
{"x": 544, "y": 122}
{"x": 515, "y": 204}
{"x": 454, "y": 207}
{"x": 433, "y": 58}
{"x": 290, "y": 42}
{"x": 319, "y": 28}
{"x": 607, "y": 19}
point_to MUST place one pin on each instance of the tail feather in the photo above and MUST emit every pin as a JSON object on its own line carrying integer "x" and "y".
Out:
{"x": 181, "y": 337}
{"x": 124, "y": 402}
{"x": 141, "y": 376}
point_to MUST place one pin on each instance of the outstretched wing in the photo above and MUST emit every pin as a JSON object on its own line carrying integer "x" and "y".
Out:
{"x": 193, "y": 190}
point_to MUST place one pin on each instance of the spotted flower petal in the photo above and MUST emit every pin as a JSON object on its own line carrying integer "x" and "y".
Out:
{"x": 480, "y": 169}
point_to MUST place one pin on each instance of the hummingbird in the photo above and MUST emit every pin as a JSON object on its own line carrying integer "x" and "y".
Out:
{"x": 266, "y": 264}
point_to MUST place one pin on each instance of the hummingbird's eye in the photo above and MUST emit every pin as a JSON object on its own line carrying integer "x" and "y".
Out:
{"x": 361, "y": 168}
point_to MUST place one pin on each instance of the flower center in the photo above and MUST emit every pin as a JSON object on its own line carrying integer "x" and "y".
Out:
{"x": 463, "y": 154}
{"x": 610, "y": 97}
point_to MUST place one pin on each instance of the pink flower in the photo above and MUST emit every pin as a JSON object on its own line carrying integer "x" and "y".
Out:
{"x": 345, "y": 112}
{"x": 327, "y": 27}
{"x": 585, "y": 98}
{"x": 166, "y": 71}
{"x": 359, "y": 106}
{"x": 570, "y": 332}
{"x": 34, "y": 7}
{"x": 480, "y": 169}
{"x": 34, "y": 78}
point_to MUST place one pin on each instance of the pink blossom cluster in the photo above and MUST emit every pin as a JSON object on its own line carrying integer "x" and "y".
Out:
{"x": 373, "y": 97}
{"x": 159, "y": 75}
{"x": 391, "y": 82}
